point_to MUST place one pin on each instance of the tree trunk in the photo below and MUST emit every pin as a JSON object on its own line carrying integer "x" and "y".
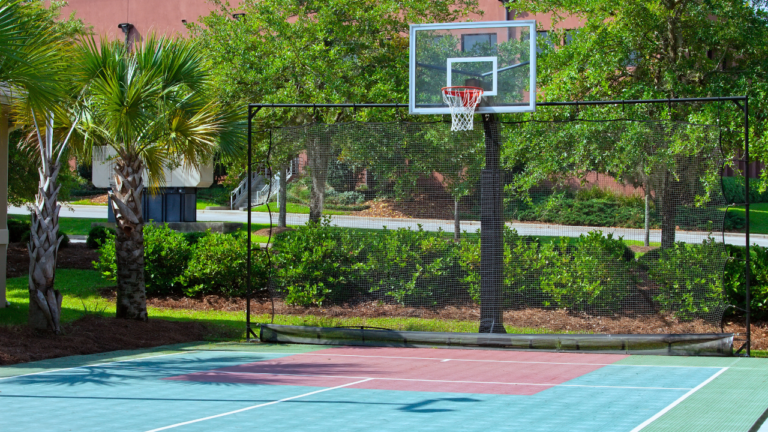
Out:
{"x": 282, "y": 196}
{"x": 668, "y": 211}
{"x": 129, "y": 247}
{"x": 456, "y": 221}
{"x": 647, "y": 241}
{"x": 318, "y": 156}
{"x": 44, "y": 241}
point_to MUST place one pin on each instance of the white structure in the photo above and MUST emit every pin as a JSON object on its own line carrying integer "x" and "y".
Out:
{"x": 103, "y": 172}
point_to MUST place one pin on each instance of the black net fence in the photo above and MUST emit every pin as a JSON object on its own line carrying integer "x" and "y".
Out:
{"x": 530, "y": 227}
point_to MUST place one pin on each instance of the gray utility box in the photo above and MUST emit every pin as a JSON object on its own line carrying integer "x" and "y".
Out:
{"x": 171, "y": 204}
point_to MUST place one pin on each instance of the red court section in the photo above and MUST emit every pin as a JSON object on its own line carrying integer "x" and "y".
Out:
{"x": 415, "y": 369}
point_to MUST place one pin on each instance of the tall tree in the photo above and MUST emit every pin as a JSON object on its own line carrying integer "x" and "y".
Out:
{"x": 660, "y": 49}
{"x": 154, "y": 106}
{"x": 317, "y": 51}
{"x": 35, "y": 74}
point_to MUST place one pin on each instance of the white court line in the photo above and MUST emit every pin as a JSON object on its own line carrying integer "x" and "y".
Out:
{"x": 466, "y": 360}
{"x": 445, "y": 381}
{"x": 95, "y": 365}
{"x": 642, "y": 425}
{"x": 256, "y": 406}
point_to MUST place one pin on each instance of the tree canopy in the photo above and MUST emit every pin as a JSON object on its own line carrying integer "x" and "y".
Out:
{"x": 649, "y": 49}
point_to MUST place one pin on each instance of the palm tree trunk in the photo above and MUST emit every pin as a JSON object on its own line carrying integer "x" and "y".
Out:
{"x": 45, "y": 301}
{"x": 129, "y": 247}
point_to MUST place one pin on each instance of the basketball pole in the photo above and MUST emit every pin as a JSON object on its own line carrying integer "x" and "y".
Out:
{"x": 491, "y": 224}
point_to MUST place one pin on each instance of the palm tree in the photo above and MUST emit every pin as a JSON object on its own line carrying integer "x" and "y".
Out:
{"x": 154, "y": 106}
{"x": 33, "y": 74}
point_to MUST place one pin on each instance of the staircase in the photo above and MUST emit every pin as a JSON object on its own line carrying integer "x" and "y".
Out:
{"x": 262, "y": 189}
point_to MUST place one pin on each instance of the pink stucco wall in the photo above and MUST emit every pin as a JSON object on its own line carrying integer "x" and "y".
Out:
{"x": 165, "y": 16}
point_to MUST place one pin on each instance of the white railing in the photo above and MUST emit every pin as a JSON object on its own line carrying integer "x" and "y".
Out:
{"x": 260, "y": 187}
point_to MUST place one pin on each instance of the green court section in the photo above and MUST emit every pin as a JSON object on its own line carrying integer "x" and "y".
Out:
{"x": 733, "y": 401}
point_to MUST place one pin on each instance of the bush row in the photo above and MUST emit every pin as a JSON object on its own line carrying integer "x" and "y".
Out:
{"x": 318, "y": 264}
{"x": 606, "y": 210}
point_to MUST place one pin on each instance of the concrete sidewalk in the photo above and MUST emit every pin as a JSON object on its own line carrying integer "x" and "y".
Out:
{"x": 532, "y": 229}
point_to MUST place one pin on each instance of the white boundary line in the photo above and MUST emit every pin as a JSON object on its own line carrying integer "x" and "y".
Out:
{"x": 95, "y": 365}
{"x": 319, "y": 353}
{"x": 256, "y": 406}
{"x": 441, "y": 381}
{"x": 642, "y": 425}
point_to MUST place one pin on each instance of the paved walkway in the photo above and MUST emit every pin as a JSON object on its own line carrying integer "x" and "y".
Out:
{"x": 533, "y": 229}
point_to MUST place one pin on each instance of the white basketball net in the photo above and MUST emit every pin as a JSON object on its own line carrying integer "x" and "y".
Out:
{"x": 462, "y": 102}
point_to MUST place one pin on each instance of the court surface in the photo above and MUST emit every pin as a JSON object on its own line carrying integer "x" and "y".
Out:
{"x": 223, "y": 387}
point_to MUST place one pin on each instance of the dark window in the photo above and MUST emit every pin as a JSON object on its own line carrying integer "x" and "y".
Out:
{"x": 542, "y": 38}
{"x": 471, "y": 41}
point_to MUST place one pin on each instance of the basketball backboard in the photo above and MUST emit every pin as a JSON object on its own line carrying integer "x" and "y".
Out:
{"x": 499, "y": 56}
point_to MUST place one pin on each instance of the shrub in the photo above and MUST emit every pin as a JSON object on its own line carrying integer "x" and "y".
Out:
{"x": 413, "y": 267}
{"x": 592, "y": 274}
{"x": 561, "y": 209}
{"x": 735, "y": 280}
{"x": 523, "y": 264}
{"x": 166, "y": 253}
{"x": 65, "y": 241}
{"x": 16, "y": 229}
{"x": 733, "y": 189}
{"x": 218, "y": 265}
{"x": 316, "y": 263}
{"x": 193, "y": 238}
{"x": 690, "y": 279}
{"x": 97, "y": 236}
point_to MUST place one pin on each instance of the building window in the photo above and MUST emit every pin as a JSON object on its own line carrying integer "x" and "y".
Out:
{"x": 542, "y": 38}
{"x": 470, "y": 42}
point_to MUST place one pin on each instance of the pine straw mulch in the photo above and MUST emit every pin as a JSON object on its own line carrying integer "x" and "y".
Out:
{"x": 553, "y": 320}
{"x": 94, "y": 334}
{"x": 74, "y": 256}
{"x": 265, "y": 232}
{"x": 421, "y": 207}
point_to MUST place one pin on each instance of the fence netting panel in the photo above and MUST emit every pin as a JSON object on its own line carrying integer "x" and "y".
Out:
{"x": 605, "y": 226}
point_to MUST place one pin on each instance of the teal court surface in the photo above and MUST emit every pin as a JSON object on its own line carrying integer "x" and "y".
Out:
{"x": 239, "y": 387}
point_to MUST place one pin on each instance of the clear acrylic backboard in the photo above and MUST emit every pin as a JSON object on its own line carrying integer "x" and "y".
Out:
{"x": 498, "y": 56}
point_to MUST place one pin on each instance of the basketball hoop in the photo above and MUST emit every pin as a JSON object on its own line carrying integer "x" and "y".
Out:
{"x": 462, "y": 101}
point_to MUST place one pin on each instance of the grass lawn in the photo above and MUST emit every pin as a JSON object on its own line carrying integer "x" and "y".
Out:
{"x": 70, "y": 226}
{"x": 296, "y": 208}
{"x": 758, "y": 217}
{"x": 85, "y": 202}
{"x": 201, "y": 205}
{"x": 81, "y": 298}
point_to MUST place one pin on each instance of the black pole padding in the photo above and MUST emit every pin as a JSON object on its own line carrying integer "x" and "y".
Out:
{"x": 248, "y": 330}
{"x": 746, "y": 237}
{"x": 491, "y": 231}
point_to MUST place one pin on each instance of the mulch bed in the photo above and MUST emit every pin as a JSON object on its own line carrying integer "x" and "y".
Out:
{"x": 94, "y": 334}
{"x": 74, "y": 256}
{"x": 266, "y": 232}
